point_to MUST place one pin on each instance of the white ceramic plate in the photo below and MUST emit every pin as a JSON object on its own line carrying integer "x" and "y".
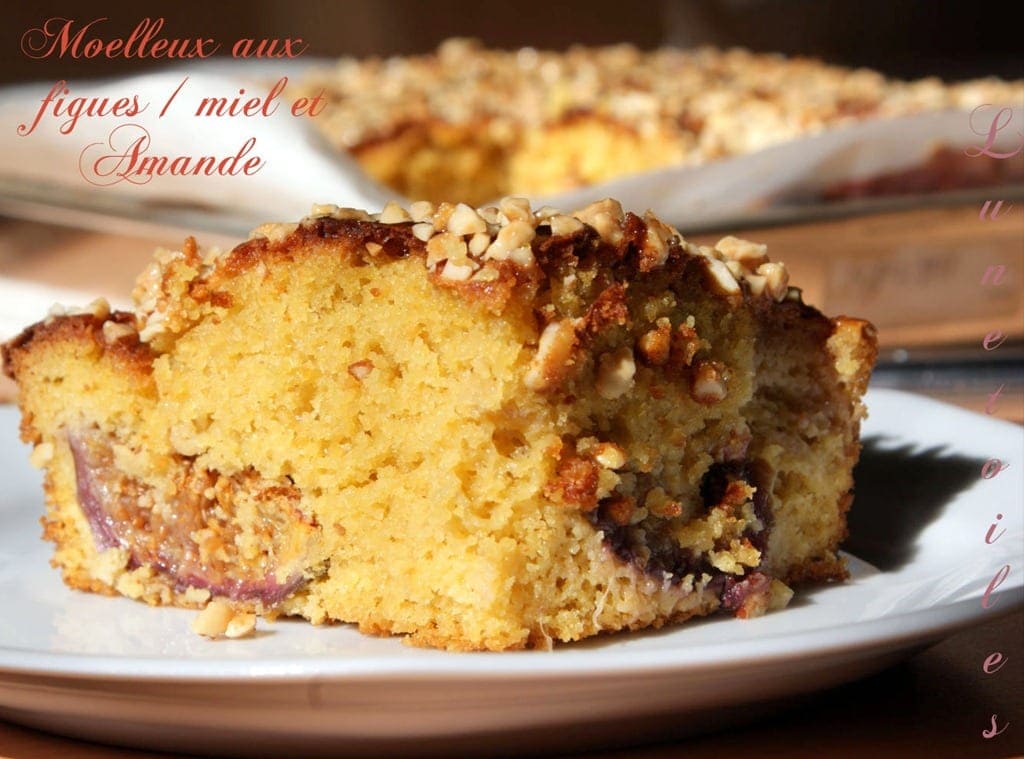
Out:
{"x": 114, "y": 670}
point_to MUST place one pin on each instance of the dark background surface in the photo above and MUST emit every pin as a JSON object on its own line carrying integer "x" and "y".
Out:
{"x": 906, "y": 38}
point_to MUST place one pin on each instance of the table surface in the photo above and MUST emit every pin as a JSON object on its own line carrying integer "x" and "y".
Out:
{"x": 916, "y": 275}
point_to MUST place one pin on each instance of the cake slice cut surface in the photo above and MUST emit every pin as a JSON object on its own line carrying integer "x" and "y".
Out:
{"x": 485, "y": 428}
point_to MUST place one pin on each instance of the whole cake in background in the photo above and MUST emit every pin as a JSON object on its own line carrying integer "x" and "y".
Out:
{"x": 484, "y": 428}
{"x": 473, "y": 124}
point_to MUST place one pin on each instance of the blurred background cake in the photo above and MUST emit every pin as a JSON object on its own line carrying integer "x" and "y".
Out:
{"x": 471, "y": 124}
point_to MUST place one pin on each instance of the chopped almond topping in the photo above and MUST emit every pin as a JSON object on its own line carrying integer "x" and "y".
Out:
{"x": 708, "y": 383}
{"x": 615, "y": 373}
{"x": 654, "y": 346}
{"x": 554, "y": 355}
{"x": 220, "y": 619}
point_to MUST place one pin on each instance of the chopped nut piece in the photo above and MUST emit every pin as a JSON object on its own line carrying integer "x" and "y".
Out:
{"x": 656, "y": 243}
{"x": 564, "y": 225}
{"x": 554, "y": 351}
{"x": 446, "y": 247}
{"x": 515, "y": 234}
{"x": 220, "y": 619}
{"x": 685, "y": 344}
{"x": 708, "y": 383}
{"x": 274, "y": 232}
{"x": 98, "y": 308}
{"x": 776, "y": 279}
{"x": 212, "y": 255}
{"x": 373, "y": 248}
{"x": 323, "y": 209}
{"x": 607, "y": 481}
{"x": 393, "y": 213}
{"x": 456, "y": 272}
{"x": 516, "y": 209}
{"x": 609, "y": 455}
{"x": 441, "y": 216}
{"x": 155, "y": 325}
{"x": 465, "y": 221}
{"x": 656, "y": 246}
{"x": 196, "y": 595}
{"x": 489, "y": 214}
{"x": 606, "y": 217}
{"x": 352, "y": 213}
{"x": 722, "y": 278}
{"x": 114, "y": 331}
{"x": 423, "y": 231}
{"x": 522, "y": 256}
{"x": 749, "y": 254}
{"x": 756, "y": 283}
{"x": 655, "y": 345}
{"x": 240, "y": 626}
{"x": 615, "y": 373}
{"x": 165, "y": 257}
{"x": 41, "y": 455}
{"x": 422, "y": 211}
{"x": 609, "y": 206}
{"x": 479, "y": 243}
{"x": 486, "y": 274}
{"x": 779, "y": 595}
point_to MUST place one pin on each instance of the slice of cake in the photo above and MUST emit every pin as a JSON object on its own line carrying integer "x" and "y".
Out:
{"x": 471, "y": 123}
{"x": 483, "y": 429}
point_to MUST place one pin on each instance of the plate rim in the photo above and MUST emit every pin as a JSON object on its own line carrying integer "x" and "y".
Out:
{"x": 894, "y": 632}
